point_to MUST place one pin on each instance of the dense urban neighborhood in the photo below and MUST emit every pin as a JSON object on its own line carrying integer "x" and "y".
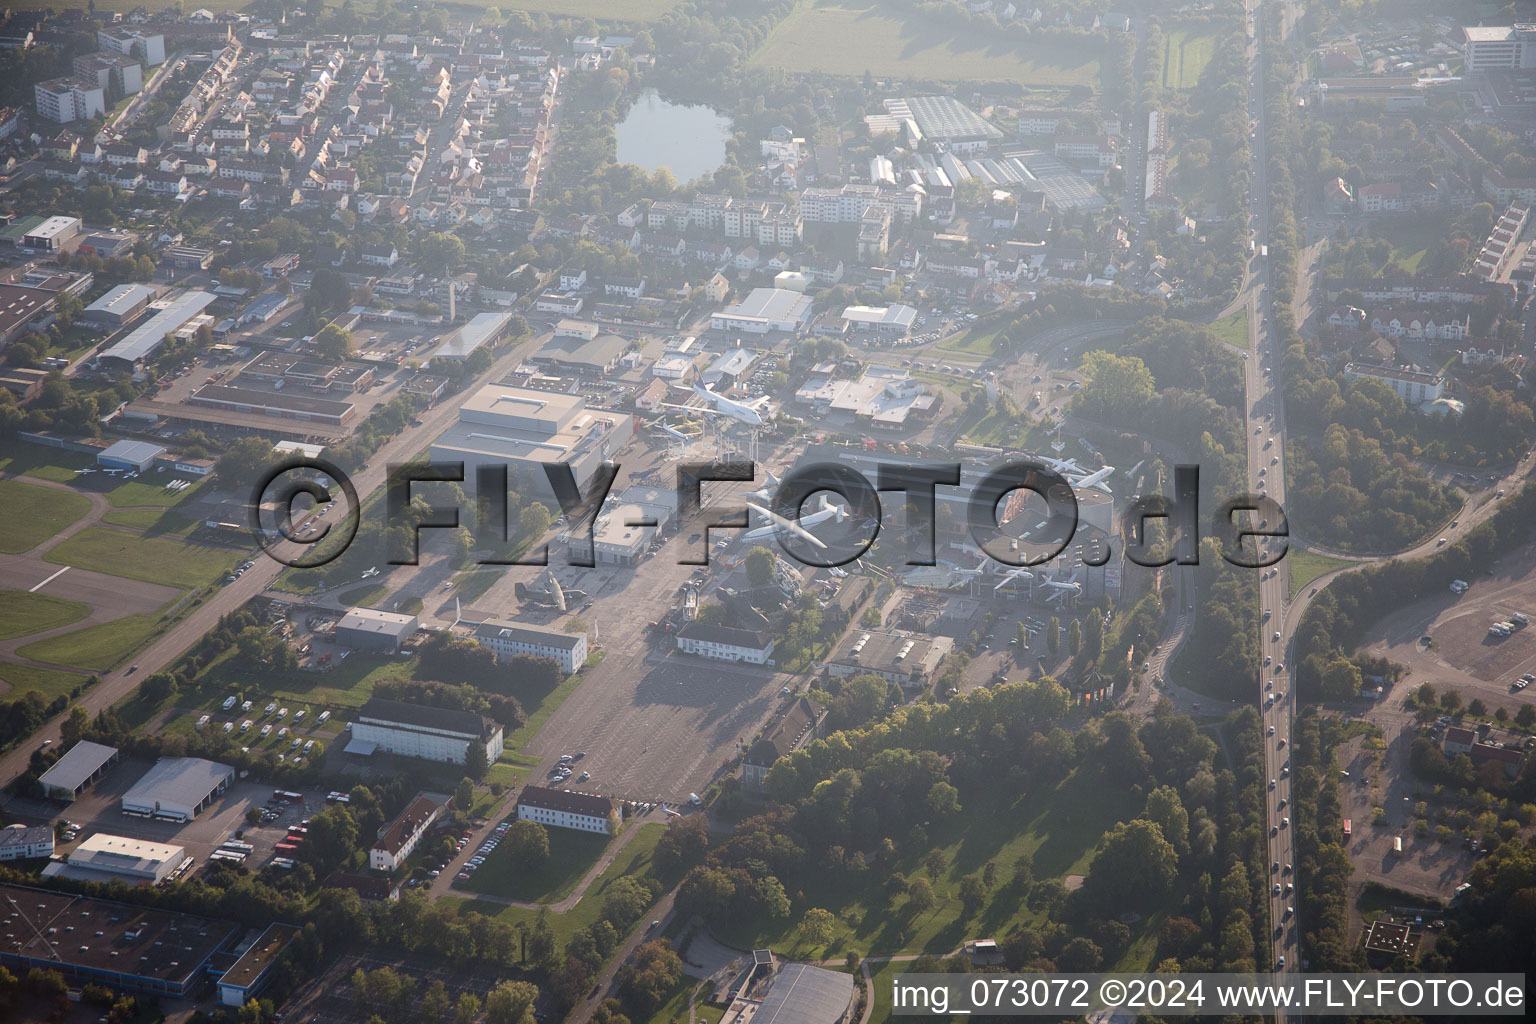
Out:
{"x": 1050, "y": 489}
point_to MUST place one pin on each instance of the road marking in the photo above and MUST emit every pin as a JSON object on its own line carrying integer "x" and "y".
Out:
{"x": 49, "y": 580}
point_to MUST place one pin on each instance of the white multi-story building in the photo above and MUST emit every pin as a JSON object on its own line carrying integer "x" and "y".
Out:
{"x": 1098, "y": 149}
{"x": 556, "y": 808}
{"x": 400, "y": 837}
{"x": 414, "y": 730}
{"x": 724, "y": 643}
{"x": 847, "y": 205}
{"x": 69, "y": 99}
{"x": 509, "y": 638}
{"x": 1492, "y": 48}
{"x": 149, "y": 47}
{"x": 24, "y": 842}
{"x": 1411, "y": 386}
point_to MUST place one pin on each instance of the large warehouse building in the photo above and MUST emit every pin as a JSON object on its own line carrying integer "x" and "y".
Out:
{"x": 107, "y": 858}
{"x": 414, "y": 730}
{"x": 177, "y": 788}
{"x": 131, "y": 351}
{"x": 765, "y": 310}
{"x": 120, "y": 305}
{"x": 135, "y": 949}
{"x": 525, "y": 430}
{"x": 83, "y": 764}
{"x": 368, "y": 629}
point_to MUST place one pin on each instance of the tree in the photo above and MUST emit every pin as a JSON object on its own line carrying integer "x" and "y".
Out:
{"x": 476, "y": 761}
{"x": 1340, "y": 679}
{"x": 936, "y": 863}
{"x": 333, "y": 343}
{"x": 645, "y": 981}
{"x": 816, "y": 927}
{"x": 243, "y": 462}
{"x": 511, "y": 1002}
{"x": 1134, "y": 865}
{"x": 73, "y": 727}
{"x": 467, "y": 1010}
{"x": 1053, "y": 635}
{"x": 534, "y": 520}
{"x": 328, "y": 290}
{"x": 920, "y": 898}
{"x": 1075, "y": 637}
{"x": 1165, "y": 808}
{"x": 972, "y": 895}
{"x": 440, "y": 253}
{"x": 529, "y": 843}
{"x": 464, "y": 794}
{"x": 760, "y": 566}
{"x": 684, "y": 844}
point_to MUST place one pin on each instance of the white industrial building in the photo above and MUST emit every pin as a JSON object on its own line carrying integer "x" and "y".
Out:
{"x": 509, "y": 638}
{"x": 137, "y": 346}
{"x": 525, "y": 430}
{"x": 177, "y": 788}
{"x": 1489, "y": 48}
{"x": 893, "y": 321}
{"x": 26, "y": 842}
{"x": 81, "y": 765}
{"x": 415, "y": 730}
{"x": 52, "y": 234}
{"x": 120, "y": 305}
{"x": 765, "y": 310}
{"x": 368, "y": 629}
{"x": 557, "y": 808}
{"x": 725, "y": 643}
{"x": 103, "y": 857}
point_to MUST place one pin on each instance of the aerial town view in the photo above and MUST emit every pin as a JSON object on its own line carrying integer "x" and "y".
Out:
{"x": 1049, "y": 489}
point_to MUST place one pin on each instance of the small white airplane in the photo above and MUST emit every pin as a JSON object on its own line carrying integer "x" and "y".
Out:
{"x": 675, "y": 433}
{"x": 1017, "y": 574}
{"x": 84, "y": 472}
{"x": 1060, "y": 590}
{"x": 370, "y": 573}
{"x": 1077, "y": 476}
{"x": 750, "y": 413}
{"x": 766, "y": 492}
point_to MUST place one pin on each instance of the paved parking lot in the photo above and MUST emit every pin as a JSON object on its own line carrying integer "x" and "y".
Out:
{"x": 99, "y": 809}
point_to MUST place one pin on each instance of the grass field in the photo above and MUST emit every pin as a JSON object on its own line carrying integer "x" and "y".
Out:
{"x": 149, "y": 492}
{"x": 537, "y": 716}
{"x": 1184, "y": 60}
{"x": 675, "y": 1006}
{"x": 151, "y": 559}
{"x": 1411, "y": 242}
{"x": 980, "y": 343}
{"x": 44, "y": 463}
{"x": 49, "y": 682}
{"x": 1233, "y": 329}
{"x": 98, "y": 648}
{"x": 365, "y": 595}
{"x": 22, "y": 614}
{"x": 852, "y": 40}
{"x": 1306, "y": 566}
{"x": 1058, "y": 828}
{"x": 348, "y": 685}
{"x": 634, "y": 859}
{"x": 571, "y": 855}
{"x": 153, "y": 521}
{"x": 36, "y": 513}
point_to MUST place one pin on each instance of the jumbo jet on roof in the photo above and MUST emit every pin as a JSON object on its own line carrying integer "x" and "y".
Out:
{"x": 750, "y": 413}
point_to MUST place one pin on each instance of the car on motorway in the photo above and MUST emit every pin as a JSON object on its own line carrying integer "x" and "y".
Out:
{"x": 1275, "y": 637}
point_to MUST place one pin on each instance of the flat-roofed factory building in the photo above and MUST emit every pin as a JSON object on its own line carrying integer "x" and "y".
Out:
{"x": 368, "y": 629}
{"x": 104, "y": 858}
{"x": 177, "y": 788}
{"x": 81, "y": 765}
{"x": 250, "y": 974}
{"x": 119, "y": 945}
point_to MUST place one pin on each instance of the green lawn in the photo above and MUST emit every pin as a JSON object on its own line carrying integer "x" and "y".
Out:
{"x": 852, "y": 40}
{"x": 996, "y": 428}
{"x": 1233, "y": 329}
{"x": 1058, "y": 828}
{"x": 981, "y": 342}
{"x": 1306, "y": 566}
{"x": 1187, "y": 53}
{"x": 44, "y": 463}
{"x": 675, "y": 1006}
{"x": 152, "y": 521}
{"x": 347, "y": 685}
{"x": 537, "y": 716}
{"x": 365, "y": 595}
{"x": 151, "y": 559}
{"x": 36, "y": 513}
{"x": 22, "y": 614}
{"x": 150, "y": 492}
{"x": 99, "y": 648}
{"x": 634, "y": 859}
{"x": 571, "y": 855}
{"x": 49, "y": 682}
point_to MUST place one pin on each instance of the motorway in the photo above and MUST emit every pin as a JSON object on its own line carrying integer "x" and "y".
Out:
{"x": 1266, "y": 447}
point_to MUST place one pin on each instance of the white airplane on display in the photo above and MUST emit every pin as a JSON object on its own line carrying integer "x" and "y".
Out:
{"x": 1017, "y": 574}
{"x": 370, "y": 573}
{"x": 826, "y": 511}
{"x": 1060, "y": 590}
{"x": 749, "y": 413}
{"x": 1077, "y": 476}
{"x": 764, "y": 493}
